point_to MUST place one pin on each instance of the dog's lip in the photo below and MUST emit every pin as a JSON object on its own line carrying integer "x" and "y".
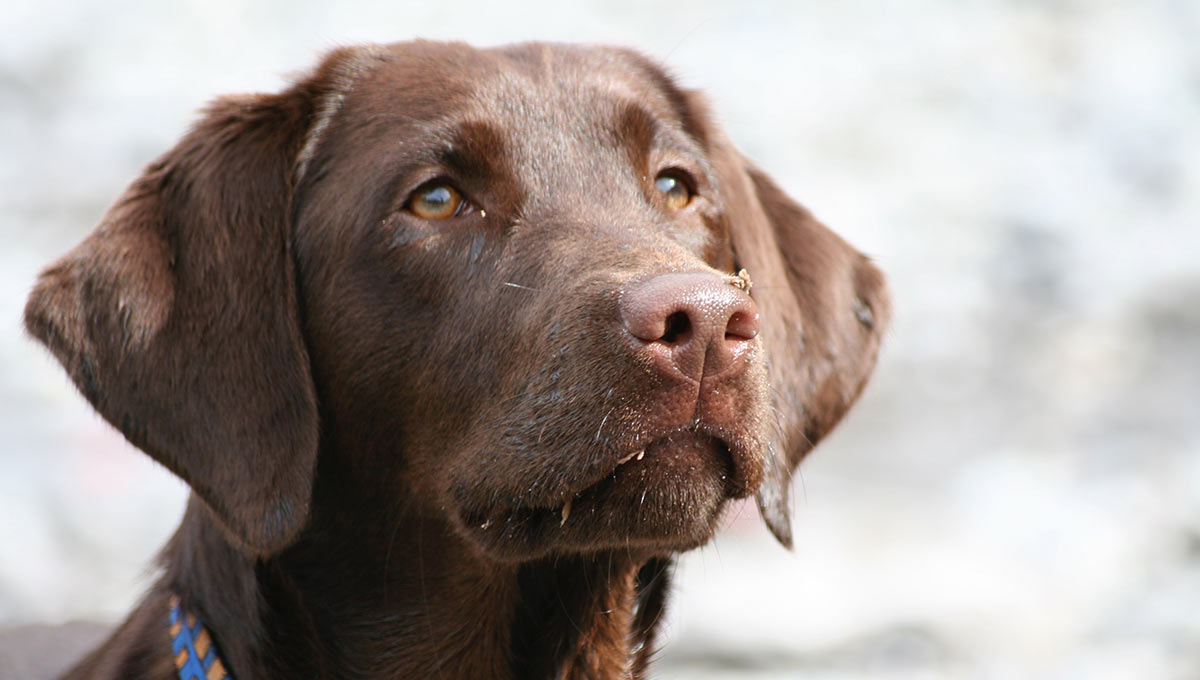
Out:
{"x": 733, "y": 454}
{"x": 734, "y": 458}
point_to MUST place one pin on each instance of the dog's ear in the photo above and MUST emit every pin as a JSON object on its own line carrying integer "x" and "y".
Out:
{"x": 824, "y": 308}
{"x": 177, "y": 317}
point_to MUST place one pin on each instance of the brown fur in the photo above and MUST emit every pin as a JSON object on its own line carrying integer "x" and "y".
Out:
{"x": 382, "y": 417}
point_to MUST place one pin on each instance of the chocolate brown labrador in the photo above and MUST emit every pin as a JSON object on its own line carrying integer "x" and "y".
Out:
{"x": 456, "y": 348}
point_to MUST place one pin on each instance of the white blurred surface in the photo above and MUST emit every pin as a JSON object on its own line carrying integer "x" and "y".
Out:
{"x": 1018, "y": 494}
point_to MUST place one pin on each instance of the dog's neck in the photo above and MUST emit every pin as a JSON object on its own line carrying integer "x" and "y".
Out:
{"x": 408, "y": 598}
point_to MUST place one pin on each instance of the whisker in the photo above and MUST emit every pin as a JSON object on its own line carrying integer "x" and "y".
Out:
{"x": 602, "y": 421}
{"x": 803, "y": 486}
{"x": 510, "y": 284}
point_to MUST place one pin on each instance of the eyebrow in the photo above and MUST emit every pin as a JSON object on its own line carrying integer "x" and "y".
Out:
{"x": 636, "y": 126}
{"x": 474, "y": 150}
{"x": 641, "y": 133}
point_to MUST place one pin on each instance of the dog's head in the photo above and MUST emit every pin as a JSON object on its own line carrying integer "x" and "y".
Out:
{"x": 504, "y": 284}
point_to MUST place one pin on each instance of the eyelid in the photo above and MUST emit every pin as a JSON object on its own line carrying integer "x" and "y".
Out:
{"x": 682, "y": 174}
{"x": 696, "y": 174}
{"x": 413, "y": 180}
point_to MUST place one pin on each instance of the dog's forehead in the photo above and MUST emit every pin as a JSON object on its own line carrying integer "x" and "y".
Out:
{"x": 530, "y": 87}
{"x": 545, "y": 119}
{"x": 553, "y": 129}
{"x": 569, "y": 79}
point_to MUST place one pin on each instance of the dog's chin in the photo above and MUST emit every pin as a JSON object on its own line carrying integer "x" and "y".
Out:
{"x": 666, "y": 497}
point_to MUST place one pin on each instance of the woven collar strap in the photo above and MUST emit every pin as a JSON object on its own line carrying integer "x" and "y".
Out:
{"x": 196, "y": 656}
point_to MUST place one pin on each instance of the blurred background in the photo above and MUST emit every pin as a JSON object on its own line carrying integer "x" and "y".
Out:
{"x": 1018, "y": 493}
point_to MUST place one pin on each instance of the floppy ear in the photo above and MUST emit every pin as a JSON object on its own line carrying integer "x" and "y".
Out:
{"x": 177, "y": 318}
{"x": 824, "y": 308}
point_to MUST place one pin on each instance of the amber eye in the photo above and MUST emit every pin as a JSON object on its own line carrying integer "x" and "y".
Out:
{"x": 675, "y": 189}
{"x": 437, "y": 200}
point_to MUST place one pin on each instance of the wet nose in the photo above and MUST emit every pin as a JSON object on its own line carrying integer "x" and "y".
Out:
{"x": 694, "y": 323}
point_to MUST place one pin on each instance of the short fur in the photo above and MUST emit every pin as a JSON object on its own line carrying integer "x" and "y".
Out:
{"x": 382, "y": 417}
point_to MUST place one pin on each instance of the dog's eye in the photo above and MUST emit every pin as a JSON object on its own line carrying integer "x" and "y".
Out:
{"x": 674, "y": 186}
{"x": 438, "y": 200}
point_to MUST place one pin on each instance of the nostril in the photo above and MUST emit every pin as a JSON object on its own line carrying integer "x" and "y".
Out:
{"x": 678, "y": 328}
{"x": 742, "y": 326}
{"x": 691, "y": 323}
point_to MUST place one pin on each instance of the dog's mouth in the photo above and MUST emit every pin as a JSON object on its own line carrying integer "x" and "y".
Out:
{"x": 676, "y": 455}
{"x": 667, "y": 494}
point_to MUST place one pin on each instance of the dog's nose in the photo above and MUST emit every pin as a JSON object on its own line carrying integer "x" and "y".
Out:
{"x": 695, "y": 323}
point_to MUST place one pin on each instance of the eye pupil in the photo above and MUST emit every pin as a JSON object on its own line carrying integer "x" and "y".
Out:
{"x": 437, "y": 202}
{"x": 674, "y": 189}
{"x": 437, "y": 196}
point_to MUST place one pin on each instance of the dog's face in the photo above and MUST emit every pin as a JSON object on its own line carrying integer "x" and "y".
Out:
{"x": 505, "y": 284}
{"x": 490, "y": 215}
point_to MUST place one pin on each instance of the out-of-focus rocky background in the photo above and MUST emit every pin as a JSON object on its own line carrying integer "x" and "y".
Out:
{"x": 1018, "y": 494}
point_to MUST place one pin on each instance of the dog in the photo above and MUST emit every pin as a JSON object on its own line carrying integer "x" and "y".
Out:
{"x": 456, "y": 349}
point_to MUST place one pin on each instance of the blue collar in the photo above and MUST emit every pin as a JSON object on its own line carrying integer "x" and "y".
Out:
{"x": 195, "y": 653}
